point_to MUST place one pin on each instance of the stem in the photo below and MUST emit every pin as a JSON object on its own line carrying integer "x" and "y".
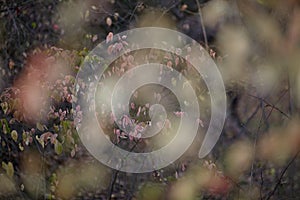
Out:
{"x": 202, "y": 25}
{"x": 281, "y": 176}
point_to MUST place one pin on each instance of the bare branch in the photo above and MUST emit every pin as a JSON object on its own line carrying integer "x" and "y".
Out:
{"x": 202, "y": 24}
{"x": 281, "y": 176}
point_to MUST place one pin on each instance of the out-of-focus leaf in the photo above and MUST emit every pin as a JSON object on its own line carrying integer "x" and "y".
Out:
{"x": 73, "y": 153}
{"x": 39, "y": 126}
{"x": 4, "y": 107}
{"x": 58, "y": 147}
{"x": 7, "y": 186}
{"x": 9, "y": 168}
{"x": 5, "y": 126}
{"x": 151, "y": 191}
{"x": 33, "y": 25}
{"x": 41, "y": 141}
{"x": 21, "y": 147}
{"x": 14, "y": 135}
{"x": 4, "y": 165}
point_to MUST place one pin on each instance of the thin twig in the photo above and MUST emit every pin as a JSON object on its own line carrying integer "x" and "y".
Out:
{"x": 270, "y": 105}
{"x": 281, "y": 176}
{"x": 115, "y": 175}
{"x": 255, "y": 142}
{"x": 202, "y": 25}
{"x": 273, "y": 107}
{"x": 167, "y": 10}
{"x": 261, "y": 183}
{"x": 112, "y": 183}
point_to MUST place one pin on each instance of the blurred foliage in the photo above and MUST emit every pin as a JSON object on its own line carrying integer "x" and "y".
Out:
{"x": 256, "y": 45}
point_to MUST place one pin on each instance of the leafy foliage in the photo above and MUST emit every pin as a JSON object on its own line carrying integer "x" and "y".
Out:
{"x": 258, "y": 56}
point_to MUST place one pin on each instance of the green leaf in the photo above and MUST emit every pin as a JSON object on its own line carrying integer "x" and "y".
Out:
{"x": 33, "y": 25}
{"x": 5, "y": 126}
{"x": 14, "y": 135}
{"x": 58, "y": 147}
{"x": 65, "y": 125}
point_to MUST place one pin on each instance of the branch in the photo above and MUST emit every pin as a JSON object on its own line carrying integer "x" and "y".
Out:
{"x": 202, "y": 25}
{"x": 270, "y": 105}
{"x": 281, "y": 176}
{"x": 112, "y": 183}
{"x": 115, "y": 175}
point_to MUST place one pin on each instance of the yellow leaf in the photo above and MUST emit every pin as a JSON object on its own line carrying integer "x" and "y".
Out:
{"x": 9, "y": 168}
{"x": 14, "y": 135}
{"x": 39, "y": 126}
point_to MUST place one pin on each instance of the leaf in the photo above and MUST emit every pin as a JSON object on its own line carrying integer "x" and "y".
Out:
{"x": 70, "y": 139}
{"x": 87, "y": 14}
{"x": 94, "y": 38}
{"x": 53, "y": 139}
{"x": 108, "y": 21}
{"x": 39, "y": 126}
{"x": 46, "y": 136}
{"x": 21, "y": 147}
{"x": 14, "y": 135}
{"x": 33, "y": 25}
{"x": 174, "y": 82}
{"x": 9, "y": 168}
{"x": 4, "y": 107}
{"x": 4, "y": 165}
{"x": 58, "y": 147}
{"x": 73, "y": 153}
{"x": 5, "y": 126}
{"x": 109, "y": 37}
{"x": 40, "y": 140}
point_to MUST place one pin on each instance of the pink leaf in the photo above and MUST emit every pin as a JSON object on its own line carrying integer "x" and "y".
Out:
{"x": 109, "y": 37}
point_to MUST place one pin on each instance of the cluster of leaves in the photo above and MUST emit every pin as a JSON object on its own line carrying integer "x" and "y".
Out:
{"x": 51, "y": 122}
{"x": 36, "y": 112}
{"x": 139, "y": 120}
